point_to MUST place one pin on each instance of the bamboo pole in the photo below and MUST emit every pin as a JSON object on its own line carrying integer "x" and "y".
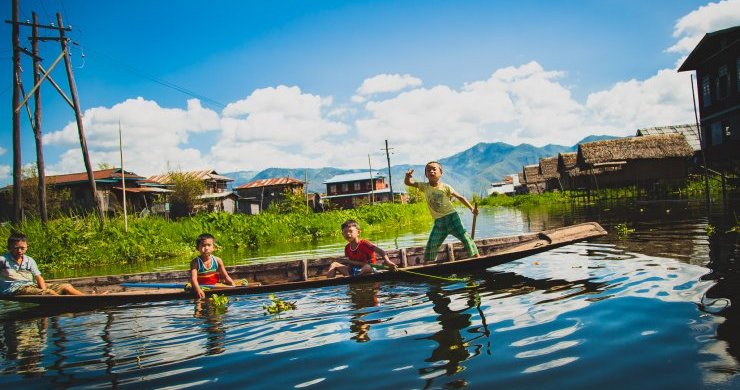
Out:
{"x": 123, "y": 177}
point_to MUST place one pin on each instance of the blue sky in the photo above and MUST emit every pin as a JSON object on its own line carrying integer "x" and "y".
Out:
{"x": 324, "y": 83}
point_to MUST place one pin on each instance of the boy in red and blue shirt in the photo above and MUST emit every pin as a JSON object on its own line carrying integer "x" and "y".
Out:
{"x": 361, "y": 254}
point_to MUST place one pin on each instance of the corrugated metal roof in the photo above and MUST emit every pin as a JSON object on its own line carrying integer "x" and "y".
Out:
{"x": 275, "y": 181}
{"x": 103, "y": 174}
{"x": 203, "y": 175}
{"x": 688, "y": 131}
{"x": 347, "y": 177}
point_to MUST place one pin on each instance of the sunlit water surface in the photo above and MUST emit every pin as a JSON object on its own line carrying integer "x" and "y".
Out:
{"x": 652, "y": 309}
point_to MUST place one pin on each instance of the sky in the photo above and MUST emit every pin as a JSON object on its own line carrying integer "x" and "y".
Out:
{"x": 242, "y": 85}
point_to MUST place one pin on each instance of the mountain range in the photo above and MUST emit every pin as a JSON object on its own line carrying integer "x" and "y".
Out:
{"x": 470, "y": 172}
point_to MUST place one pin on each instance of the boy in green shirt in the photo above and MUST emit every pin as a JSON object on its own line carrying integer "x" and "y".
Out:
{"x": 446, "y": 220}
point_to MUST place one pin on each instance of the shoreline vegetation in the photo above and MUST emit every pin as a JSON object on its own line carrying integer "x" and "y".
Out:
{"x": 78, "y": 242}
{"x": 71, "y": 243}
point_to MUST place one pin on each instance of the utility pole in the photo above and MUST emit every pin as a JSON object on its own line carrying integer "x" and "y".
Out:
{"x": 372, "y": 182}
{"x": 36, "y": 124}
{"x": 43, "y": 213}
{"x": 17, "y": 198}
{"x": 390, "y": 179}
{"x": 78, "y": 118}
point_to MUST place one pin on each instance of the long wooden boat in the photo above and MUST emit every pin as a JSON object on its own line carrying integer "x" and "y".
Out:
{"x": 300, "y": 274}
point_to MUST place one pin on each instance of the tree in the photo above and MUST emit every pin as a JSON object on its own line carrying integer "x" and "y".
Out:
{"x": 290, "y": 202}
{"x": 186, "y": 189}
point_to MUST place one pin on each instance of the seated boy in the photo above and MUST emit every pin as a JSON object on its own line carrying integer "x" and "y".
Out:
{"x": 360, "y": 254}
{"x": 206, "y": 268}
{"x": 20, "y": 275}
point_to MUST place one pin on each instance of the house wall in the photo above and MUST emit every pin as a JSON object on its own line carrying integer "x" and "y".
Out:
{"x": 719, "y": 106}
{"x": 264, "y": 196}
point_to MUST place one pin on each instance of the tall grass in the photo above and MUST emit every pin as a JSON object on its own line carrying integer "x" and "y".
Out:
{"x": 78, "y": 242}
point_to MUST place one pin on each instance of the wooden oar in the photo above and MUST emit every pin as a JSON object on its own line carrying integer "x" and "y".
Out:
{"x": 421, "y": 274}
{"x": 475, "y": 217}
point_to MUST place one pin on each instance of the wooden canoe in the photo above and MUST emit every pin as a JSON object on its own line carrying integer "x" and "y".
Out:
{"x": 300, "y": 274}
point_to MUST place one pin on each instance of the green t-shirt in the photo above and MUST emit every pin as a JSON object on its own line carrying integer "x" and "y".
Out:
{"x": 439, "y": 199}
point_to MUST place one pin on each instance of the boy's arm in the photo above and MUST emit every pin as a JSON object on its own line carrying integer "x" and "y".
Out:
{"x": 222, "y": 271}
{"x": 194, "y": 280}
{"x": 40, "y": 281}
{"x": 386, "y": 260}
{"x": 409, "y": 180}
{"x": 465, "y": 202}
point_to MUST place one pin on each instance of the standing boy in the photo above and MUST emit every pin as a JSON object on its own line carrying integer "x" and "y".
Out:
{"x": 446, "y": 220}
{"x": 206, "y": 268}
{"x": 360, "y": 253}
{"x": 20, "y": 275}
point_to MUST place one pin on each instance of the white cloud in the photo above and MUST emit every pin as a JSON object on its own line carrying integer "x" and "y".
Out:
{"x": 154, "y": 137}
{"x": 515, "y": 105}
{"x": 383, "y": 83}
{"x": 2, "y": 150}
{"x": 279, "y": 126}
{"x": 712, "y": 17}
{"x": 4, "y": 172}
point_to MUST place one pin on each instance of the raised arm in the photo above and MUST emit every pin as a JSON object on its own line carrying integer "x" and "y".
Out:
{"x": 409, "y": 180}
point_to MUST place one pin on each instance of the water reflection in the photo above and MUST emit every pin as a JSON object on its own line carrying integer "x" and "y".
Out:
{"x": 23, "y": 343}
{"x": 364, "y": 295}
{"x": 212, "y": 325}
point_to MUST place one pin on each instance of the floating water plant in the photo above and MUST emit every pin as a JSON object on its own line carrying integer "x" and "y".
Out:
{"x": 623, "y": 230}
{"x": 278, "y": 305}
{"x": 710, "y": 229}
{"x": 219, "y": 301}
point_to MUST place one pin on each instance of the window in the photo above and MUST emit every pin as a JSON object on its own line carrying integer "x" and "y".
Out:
{"x": 345, "y": 187}
{"x": 716, "y": 136}
{"x": 357, "y": 186}
{"x": 706, "y": 91}
{"x": 723, "y": 83}
{"x": 332, "y": 189}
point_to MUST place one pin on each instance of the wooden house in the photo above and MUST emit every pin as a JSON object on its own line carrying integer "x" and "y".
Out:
{"x": 140, "y": 193}
{"x": 716, "y": 60}
{"x": 571, "y": 175}
{"x": 255, "y": 196}
{"x": 216, "y": 195}
{"x": 351, "y": 189}
{"x": 533, "y": 179}
{"x": 550, "y": 174}
{"x": 637, "y": 161}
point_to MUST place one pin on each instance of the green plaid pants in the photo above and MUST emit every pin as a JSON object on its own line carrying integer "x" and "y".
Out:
{"x": 443, "y": 227}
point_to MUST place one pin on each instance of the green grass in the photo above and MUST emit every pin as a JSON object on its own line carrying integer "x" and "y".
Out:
{"x": 77, "y": 242}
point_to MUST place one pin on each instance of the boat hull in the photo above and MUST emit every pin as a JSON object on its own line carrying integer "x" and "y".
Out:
{"x": 310, "y": 273}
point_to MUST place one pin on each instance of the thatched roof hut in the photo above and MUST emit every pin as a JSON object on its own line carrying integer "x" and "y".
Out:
{"x": 533, "y": 179}
{"x": 549, "y": 167}
{"x": 621, "y": 150}
{"x": 532, "y": 174}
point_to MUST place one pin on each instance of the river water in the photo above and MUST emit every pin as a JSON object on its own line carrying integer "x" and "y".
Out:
{"x": 653, "y": 309}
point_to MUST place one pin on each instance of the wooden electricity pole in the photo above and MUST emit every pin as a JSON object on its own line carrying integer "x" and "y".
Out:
{"x": 17, "y": 198}
{"x": 78, "y": 118}
{"x": 40, "y": 74}
{"x": 43, "y": 214}
{"x": 390, "y": 179}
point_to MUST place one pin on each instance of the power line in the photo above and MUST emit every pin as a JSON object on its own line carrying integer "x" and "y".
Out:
{"x": 119, "y": 64}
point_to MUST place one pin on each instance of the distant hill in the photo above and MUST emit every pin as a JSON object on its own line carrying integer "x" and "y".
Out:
{"x": 470, "y": 172}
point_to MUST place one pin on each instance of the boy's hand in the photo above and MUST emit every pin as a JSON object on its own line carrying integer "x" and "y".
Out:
{"x": 474, "y": 211}
{"x": 391, "y": 266}
{"x": 409, "y": 173}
